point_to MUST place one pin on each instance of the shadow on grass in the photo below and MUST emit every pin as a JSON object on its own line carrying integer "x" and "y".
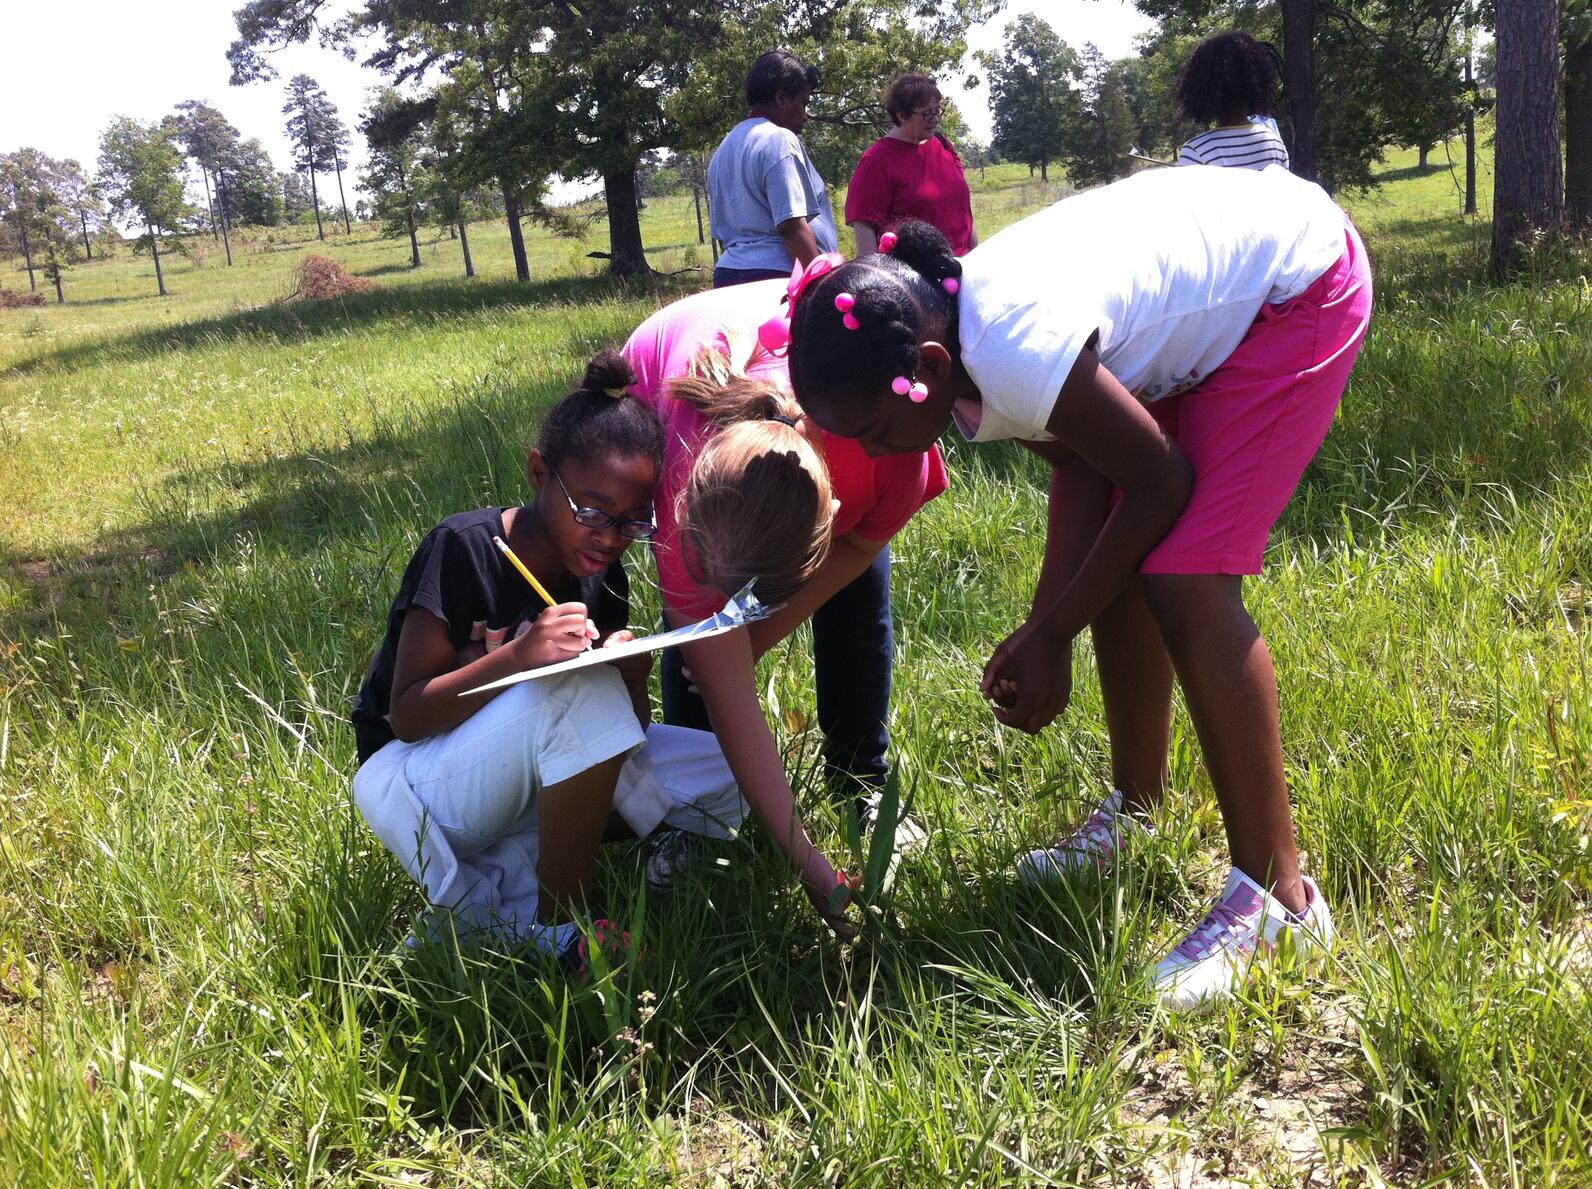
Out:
{"x": 299, "y": 321}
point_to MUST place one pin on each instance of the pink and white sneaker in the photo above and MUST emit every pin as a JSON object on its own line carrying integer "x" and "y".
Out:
{"x": 1203, "y": 968}
{"x": 1095, "y": 843}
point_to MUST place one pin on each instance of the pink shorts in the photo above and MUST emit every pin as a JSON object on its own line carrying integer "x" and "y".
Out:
{"x": 1250, "y": 430}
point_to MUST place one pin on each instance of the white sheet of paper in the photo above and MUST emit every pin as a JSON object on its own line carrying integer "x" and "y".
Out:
{"x": 741, "y": 610}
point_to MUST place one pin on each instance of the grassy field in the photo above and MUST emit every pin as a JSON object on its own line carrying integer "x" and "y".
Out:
{"x": 204, "y": 506}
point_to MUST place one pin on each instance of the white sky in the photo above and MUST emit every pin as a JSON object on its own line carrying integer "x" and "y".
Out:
{"x": 135, "y": 58}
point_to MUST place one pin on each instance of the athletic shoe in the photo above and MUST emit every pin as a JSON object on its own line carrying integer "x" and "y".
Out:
{"x": 908, "y": 834}
{"x": 1095, "y": 843}
{"x": 668, "y": 853}
{"x": 1246, "y": 920}
{"x": 613, "y": 941}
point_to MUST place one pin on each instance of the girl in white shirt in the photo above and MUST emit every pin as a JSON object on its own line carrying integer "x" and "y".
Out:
{"x": 1175, "y": 345}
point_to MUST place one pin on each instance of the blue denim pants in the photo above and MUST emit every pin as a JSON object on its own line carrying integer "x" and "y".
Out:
{"x": 723, "y": 277}
{"x": 853, "y": 645}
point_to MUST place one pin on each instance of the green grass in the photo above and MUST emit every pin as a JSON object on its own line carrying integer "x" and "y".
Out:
{"x": 207, "y": 501}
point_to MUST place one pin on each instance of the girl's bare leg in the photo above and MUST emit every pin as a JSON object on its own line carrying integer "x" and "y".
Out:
{"x": 573, "y": 815}
{"x": 1136, "y": 686}
{"x": 1228, "y": 680}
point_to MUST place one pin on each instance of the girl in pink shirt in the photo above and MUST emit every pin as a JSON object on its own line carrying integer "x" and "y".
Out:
{"x": 752, "y": 489}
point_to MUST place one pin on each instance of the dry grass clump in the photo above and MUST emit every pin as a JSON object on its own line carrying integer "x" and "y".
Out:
{"x": 12, "y": 301}
{"x": 320, "y": 277}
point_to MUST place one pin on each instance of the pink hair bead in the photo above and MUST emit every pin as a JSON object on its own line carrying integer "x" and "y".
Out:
{"x": 919, "y": 392}
{"x": 844, "y": 302}
{"x": 849, "y": 321}
{"x": 900, "y": 385}
{"x": 951, "y": 285}
{"x": 888, "y": 241}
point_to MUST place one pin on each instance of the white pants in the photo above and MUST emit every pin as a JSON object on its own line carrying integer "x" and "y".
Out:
{"x": 459, "y": 809}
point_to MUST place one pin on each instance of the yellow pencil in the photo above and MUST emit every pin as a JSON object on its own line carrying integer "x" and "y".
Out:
{"x": 503, "y": 547}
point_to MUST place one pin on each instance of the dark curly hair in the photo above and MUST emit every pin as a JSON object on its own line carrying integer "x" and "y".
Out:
{"x": 1226, "y": 72}
{"x": 901, "y": 301}
{"x": 600, "y": 419}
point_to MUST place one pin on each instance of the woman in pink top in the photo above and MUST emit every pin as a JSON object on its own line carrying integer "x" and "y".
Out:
{"x": 912, "y": 172}
{"x": 752, "y": 489}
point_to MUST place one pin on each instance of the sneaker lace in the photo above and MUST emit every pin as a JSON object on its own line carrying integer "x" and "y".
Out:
{"x": 1222, "y": 927}
{"x": 1097, "y": 834}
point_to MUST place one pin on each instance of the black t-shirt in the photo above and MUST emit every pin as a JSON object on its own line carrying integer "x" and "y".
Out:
{"x": 460, "y": 577}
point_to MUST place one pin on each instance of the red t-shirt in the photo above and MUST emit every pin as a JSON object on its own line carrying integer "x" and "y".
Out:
{"x": 896, "y": 180}
{"x": 877, "y": 495}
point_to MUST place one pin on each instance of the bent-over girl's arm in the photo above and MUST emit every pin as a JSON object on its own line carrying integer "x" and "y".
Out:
{"x": 849, "y": 557}
{"x": 1117, "y": 439}
{"x": 725, "y": 675}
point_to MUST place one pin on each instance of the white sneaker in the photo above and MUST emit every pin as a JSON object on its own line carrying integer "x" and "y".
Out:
{"x": 908, "y": 834}
{"x": 1095, "y": 843}
{"x": 1203, "y": 968}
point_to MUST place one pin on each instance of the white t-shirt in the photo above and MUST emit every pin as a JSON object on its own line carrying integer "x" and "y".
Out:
{"x": 759, "y": 177}
{"x": 1169, "y": 266}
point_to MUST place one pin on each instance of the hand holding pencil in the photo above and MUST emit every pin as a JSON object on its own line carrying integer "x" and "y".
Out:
{"x": 560, "y": 632}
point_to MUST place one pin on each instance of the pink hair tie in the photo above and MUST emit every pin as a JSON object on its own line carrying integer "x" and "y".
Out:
{"x": 849, "y": 321}
{"x": 774, "y": 335}
{"x": 888, "y": 241}
{"x": 951, "y": 285}
{"x": 915, "y": 390}
{"x": 844, "y": 302}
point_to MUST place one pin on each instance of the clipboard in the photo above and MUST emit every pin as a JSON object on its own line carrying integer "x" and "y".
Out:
{"x": 744, "y": 608}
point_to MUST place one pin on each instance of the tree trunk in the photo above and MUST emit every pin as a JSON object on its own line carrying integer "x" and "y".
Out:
{"x": 414, "y": 244}
{"x": 453, "y": 231}
{"x": 464, "y": 242}
{"x": 22, "y": 229}
{"x": 1426, "y": 152}
{"x": 1470, "y": 141}
{"x": 1578, "y": 134}
{"x": 315, "y": 201}
{"x": 1528, "y": 179}
{"x": 209, "y": 205}
{"x": 1044, "y": 169}
{"x": 348, "y": 228}
{"x": 626, "y": 256}
{"x": 88, "y": 246}
{"x": 60, "y": 298}
{"x": 221, "y": 201}
{"x": 511, "y": 211}
{"x": 154, "y": 250}
{"x": 1299, "y": 84}
{"x": 696, "y": 197}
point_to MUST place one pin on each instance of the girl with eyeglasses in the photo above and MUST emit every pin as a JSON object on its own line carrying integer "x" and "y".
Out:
{"x": 1174, "y": 346}
{"x": 495, "y": 802}
{"x": 912, "y": 172}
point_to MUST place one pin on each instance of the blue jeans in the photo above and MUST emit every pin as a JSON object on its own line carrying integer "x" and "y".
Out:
{"x": 852, "y": 654}
{"x": 723, "y": 277}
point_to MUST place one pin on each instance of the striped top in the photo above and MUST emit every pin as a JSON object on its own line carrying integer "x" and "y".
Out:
{"x": 1249, "y": 146}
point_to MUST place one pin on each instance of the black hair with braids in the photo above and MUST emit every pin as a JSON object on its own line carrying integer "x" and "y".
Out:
{"x": 901, "y": 300}
{"x": 601, "y": 419}
{"x": 1226, "y": 72}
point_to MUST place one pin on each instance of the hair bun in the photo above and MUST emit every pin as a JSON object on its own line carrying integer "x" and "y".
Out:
{"x": 608, "y": 372}
{"x": 923, "y": 248}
